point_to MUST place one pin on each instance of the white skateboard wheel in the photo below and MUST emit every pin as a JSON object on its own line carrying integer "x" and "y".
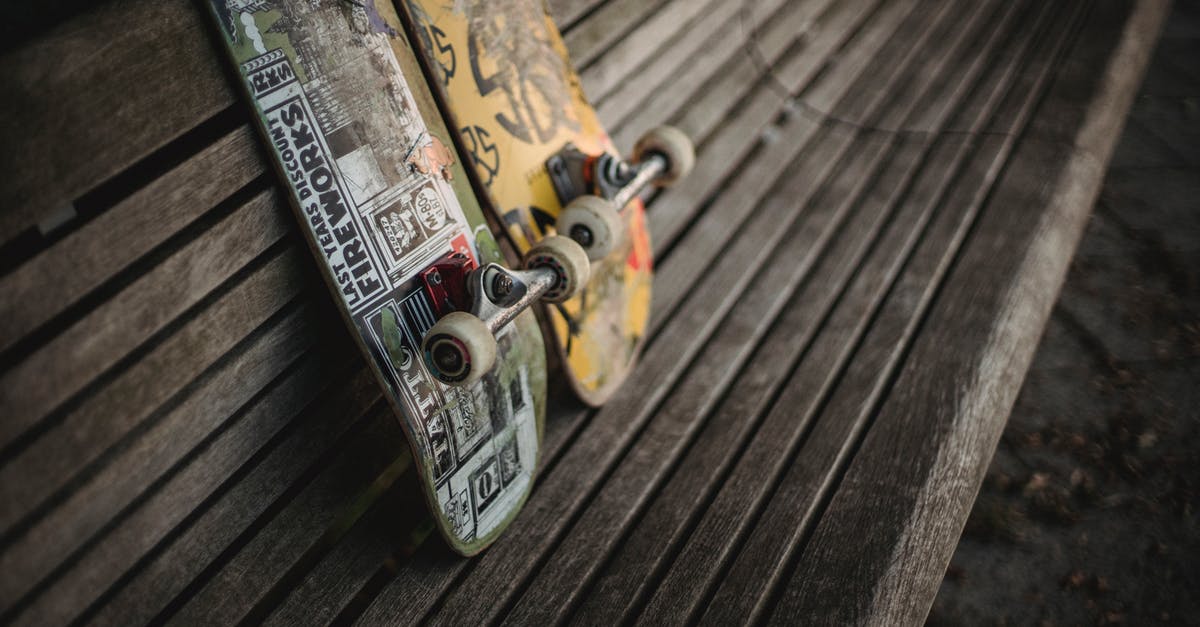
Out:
{"x": 568, "y": 260}
{"x": 594, "y": 223}
{"x": 459, "y": 349}
{"x": 674, "y": 145}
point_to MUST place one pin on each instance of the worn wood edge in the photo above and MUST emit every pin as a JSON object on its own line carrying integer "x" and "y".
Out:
{"x": 905, "y": 583}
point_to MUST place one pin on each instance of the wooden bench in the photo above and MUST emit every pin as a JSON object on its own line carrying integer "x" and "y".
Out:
{"x": 850, "y": 288}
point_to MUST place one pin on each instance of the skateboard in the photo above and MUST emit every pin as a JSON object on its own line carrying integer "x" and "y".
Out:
{"x": 385, "y": 205}
{"x": 544, "y": 165}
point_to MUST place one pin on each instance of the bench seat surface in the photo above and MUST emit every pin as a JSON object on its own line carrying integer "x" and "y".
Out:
{"x": 849, "y": 290}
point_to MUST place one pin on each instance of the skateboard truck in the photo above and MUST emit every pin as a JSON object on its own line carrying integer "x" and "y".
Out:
{"x": 460, "y": 348}
{"x": 594, "y": 188}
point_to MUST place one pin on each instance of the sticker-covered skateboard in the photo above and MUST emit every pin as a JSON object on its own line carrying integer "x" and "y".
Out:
{"x": 544, "y": 165}
{"x": 396, "y": 230}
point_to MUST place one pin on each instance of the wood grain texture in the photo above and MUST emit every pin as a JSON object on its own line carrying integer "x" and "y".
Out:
{"x": 43, "y": 467}
{"x": 1005, "y": 318}
{"x": 194, "y": 439}
{"x": 57, "y": 277}
{"x": 855, "y": 394}
{"x": 112, "y": 330}
{"x": 243, "y": 483}
{"x": 97, "y": 93}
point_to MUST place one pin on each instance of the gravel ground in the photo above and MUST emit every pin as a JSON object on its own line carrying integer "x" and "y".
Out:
{"x": 1089, "y": 512}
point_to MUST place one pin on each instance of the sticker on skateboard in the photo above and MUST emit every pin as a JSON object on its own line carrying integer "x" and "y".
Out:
{"x": 387, "y": 210}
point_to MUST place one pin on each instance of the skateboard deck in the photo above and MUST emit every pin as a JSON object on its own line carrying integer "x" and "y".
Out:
{"x": 356, "y": 135}
{"x": 502, "y": 74}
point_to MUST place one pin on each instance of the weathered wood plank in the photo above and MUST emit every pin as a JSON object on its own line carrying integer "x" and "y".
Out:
{"x": 857, "y": 393}
{"x": 600, "y": 525}
{"x": 393, "y": 524}
{"x": 242, "y": 406}
{"x": 622, "y": 61}
{"x": 106, "y": 491}
{"x": 57, "y": 277}
{"x": 604, "y": 25}
{"x": 59, "y": 455}
{"x": 701, "y": 47}
{"x": 101, "y": 338}
{"x": 567, "y": 13}
{"x": 63, "y": 134}
{"x": 236, "y": 485}
{"x": 1025, "y": 235}
{"x": 377, "y": 454}
{"x": 693, "y": 573}
{"x": 717, "y": 225}
{"x": 732, "y": 140}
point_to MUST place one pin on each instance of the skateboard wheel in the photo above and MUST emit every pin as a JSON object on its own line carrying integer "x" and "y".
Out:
{"x": 594, "y": 223}
{"x": 675, "y": 146}
{"x": 459, "y": 349}
{"x": 568, "y": 260}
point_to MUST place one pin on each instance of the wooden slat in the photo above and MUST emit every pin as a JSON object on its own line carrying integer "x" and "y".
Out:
{"x": 605, "y": 25}
{"x": 701, "y": 47}
{"x": 106, "y": 492}
{"x": 337, "y": 579}
{"x": 710, "y": 231}
{"x": 219, "y": 408}
{"x": 264, "y": 468}
{"x": 65, "y": 450}
{"x": 59, "y": 276}
{"x": 567, "y": 13}
{"x": 623, "y": 60}
{"x": 379, "y": 450}
{"x": 109, "y": 332}
{"x": 1005, "y": 319}
{"x": 96, "y": 94}
{"x": 728, "y": 142}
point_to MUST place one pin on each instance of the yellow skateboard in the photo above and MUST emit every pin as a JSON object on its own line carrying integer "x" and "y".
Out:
{"x": 544, "y": 165}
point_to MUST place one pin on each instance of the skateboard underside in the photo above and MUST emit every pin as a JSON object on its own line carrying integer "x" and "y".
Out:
{"x": 354, "y": 132}
{"x": 501, "y": 68}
